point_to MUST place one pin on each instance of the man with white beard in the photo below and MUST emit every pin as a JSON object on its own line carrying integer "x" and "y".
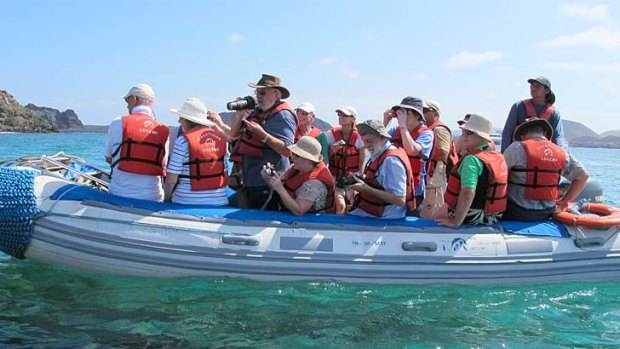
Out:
{"x": 387, "y": 190}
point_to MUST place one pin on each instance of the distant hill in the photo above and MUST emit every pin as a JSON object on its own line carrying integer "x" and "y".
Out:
{"x": 579, "y": 135}
{"x": 15, "y": 118}
{"x": 66, "y": 120}
{"x": 611, "y": 133}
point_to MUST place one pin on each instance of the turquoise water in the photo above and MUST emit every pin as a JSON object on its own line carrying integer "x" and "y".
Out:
{"x": 47, "y": 307}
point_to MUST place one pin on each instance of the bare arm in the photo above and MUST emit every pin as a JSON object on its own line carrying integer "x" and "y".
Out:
{"x": 274, "y": 143}
{"x": 466, "y": 197}
{"x": 171, "y": 182}
{"x": 296, "y": 206}
{"x": 574, "y": 189}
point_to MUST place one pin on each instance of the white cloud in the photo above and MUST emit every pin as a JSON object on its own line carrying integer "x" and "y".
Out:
{"x": 470, "y": 59}
{"x": 419, "y": 77}
{"x": 596, "y": 13}
{"x": 234, "y": 38}
{"x": 599, "y": 36}
{"x": 350, "y": 73}
{"x": 326, "y": 61}
{"x": 583, "y": 67}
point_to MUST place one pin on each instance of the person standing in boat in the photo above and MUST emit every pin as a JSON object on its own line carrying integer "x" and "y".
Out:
{"x": 307, "y": 186}
{"x": 387, "y": 188}
{"x": 347, "y": 154}
{"x": 263, "y": 136}
{"x": 541, "y": 106}
{"x": 536, "y": 166}
{"x": 306, "y": 113}
{"x": 412, "y": 134}
{"x": 136, "y": 148}
{"x": 197, "y": 172}
{"x": 477, "y": 186}
{"x": 443, "y": 157}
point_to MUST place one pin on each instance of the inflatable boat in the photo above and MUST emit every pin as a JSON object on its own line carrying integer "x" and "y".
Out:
{"x": 74, "y": 223}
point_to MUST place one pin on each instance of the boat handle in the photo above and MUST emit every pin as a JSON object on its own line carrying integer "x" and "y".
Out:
{"x": 426, "y": 246}
{"x": 240, "y": 240}
{"x": 590, "y": 242}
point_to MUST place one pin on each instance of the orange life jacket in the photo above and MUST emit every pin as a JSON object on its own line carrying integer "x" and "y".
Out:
{"x": 530, "y": 110}
{"x": 346, "y": 161}
{"x": 453, "y": 157}
{"x": 143, "y": 147}
{"x": 293, "y": 180}
{"x": 545, "y": 162}
{"x": 491, "y": 190}
{"x": 314, "y": 132}
{"x": 416, "y": 161}
{"x": 371, "y": 203}
{"x": 207, "y": 150}
{"x": 249, "y": 144}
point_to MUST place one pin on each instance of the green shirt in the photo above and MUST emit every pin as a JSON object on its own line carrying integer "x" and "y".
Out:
{"x": 324, "y": 147}
{"x": 470, "y": 169}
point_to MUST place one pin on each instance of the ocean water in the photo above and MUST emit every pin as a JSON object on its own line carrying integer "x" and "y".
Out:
{"x": 47, "y": 307}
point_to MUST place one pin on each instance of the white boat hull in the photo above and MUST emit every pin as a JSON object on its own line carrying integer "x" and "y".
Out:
{"x": 102, "y": 238}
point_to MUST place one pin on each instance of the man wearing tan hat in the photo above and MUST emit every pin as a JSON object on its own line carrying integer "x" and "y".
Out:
{"x": 536, "y": 166}
{"x": 263, "y": 136}
{"x": 477, "y": 187}
{"x": 307, "y": 186}
{"x": 136, "y": 148}
{"x": 197, "y": 173}
{"x": 387, "y": 190}
{"x": 443, "y": 157}
{"x": 541, "y": 106}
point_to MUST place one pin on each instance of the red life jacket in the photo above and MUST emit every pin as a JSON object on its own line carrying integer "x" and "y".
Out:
{"x": 371, "y": 203}
{"x": 545, "y": 162}
{"x": 416, "y": 161}
{"x": 314, "y": 132}
{"x": 143, "y": 146}
{"x": 207, "y": 150}
{"x": 453, "y": 158}
{"x": 491, "y": 190}
{"x": 530, "y": 110}
{"x": 293, "y": 180}
{"x": 249, "y": 144}
{"x": 345, "y": 161}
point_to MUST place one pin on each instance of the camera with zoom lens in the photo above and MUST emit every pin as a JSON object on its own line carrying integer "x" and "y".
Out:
{"x": 349, "y": 180}
{"x": 247, "y": 102}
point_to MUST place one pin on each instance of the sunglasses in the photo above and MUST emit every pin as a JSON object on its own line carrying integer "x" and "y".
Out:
{"x": 301, "y": 112}
{"x": 343, "y": 115}
{"x": 467, "y": 133}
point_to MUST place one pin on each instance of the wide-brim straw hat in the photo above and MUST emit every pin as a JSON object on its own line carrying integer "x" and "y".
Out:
{"x": 270, "y": 81}
{"x": 528, "y": 124}
{"x": 479, "y": 124}
{"x": 194, "y": 110}
{"x": 308, "y": 148}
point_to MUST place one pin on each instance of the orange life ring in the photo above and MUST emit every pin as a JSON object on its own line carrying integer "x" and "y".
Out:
{"x": 609, "y": 216}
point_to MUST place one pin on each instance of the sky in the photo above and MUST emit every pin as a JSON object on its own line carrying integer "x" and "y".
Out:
{"x": 473, "y": 56}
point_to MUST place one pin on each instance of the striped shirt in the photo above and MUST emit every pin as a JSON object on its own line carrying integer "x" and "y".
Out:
{"x": 183, "y": 193}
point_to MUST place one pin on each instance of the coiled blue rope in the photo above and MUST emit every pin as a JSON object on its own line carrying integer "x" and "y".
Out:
{"x": 18, "y": 209}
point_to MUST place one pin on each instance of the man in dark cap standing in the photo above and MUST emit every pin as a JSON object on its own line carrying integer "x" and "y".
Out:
{"x": 540, "y": 106}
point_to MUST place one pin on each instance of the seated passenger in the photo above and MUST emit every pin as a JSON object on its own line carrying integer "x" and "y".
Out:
{"x": 136, "y": 148}
{"x": 387, "y": 190}
{"x": 307, "y": 186}
{"x": 197, "y": 172}
{"x": 477, "y": 186}
{"x": 536, "y": 166}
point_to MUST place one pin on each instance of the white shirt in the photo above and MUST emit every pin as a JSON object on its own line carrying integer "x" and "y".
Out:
{"x": 183, "y": 193}
{"x": 125, "y": 184}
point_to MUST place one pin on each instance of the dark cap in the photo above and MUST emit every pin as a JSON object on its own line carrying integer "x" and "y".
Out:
{"x": 411, "y": 103}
